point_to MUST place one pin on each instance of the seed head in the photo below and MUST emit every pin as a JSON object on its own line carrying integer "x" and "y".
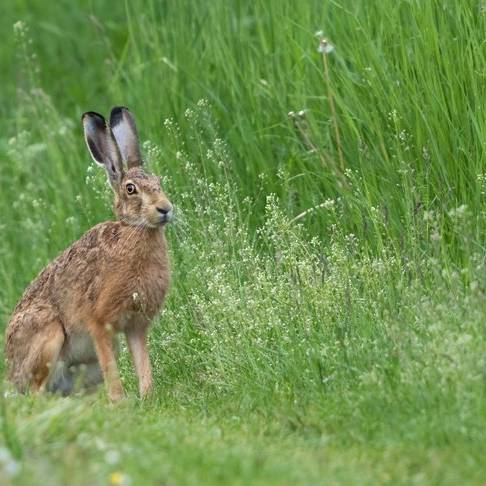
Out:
{"x": 325, "y": 47}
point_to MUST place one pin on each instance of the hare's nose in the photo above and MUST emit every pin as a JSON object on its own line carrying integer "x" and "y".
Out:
{"x": 164, "y": 210}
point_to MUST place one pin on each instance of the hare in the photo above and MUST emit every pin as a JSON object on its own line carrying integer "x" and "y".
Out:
{"x": 113, "y": 279}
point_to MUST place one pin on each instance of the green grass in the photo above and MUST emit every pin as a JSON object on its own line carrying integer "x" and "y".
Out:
{"x": 326, "y": 320}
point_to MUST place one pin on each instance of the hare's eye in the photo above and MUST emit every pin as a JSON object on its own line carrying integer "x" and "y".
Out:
{"x": 131, "y": 189}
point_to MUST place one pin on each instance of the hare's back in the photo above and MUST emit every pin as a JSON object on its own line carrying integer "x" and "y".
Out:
{"x": 74, "y": 270}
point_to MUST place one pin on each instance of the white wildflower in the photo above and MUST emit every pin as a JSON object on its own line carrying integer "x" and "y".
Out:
{"x": 8, "y": 465}
{"x": 19, "y": 27}
{"x": 435, "y": 236}
{"x": 112, "y": 457}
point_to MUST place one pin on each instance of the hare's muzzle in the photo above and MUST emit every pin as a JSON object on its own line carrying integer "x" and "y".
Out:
{"x": 165, "y": 212}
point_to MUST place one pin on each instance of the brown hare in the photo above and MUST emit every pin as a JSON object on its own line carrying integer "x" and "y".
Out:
{"x": 113, "y": 279}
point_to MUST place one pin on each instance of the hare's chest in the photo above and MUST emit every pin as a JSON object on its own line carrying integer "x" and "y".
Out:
{"x": 147, "y": 295}
{"x": 150, "y": 294}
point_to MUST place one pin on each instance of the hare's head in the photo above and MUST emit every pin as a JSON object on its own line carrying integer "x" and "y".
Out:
{"x": 139, "y": 199}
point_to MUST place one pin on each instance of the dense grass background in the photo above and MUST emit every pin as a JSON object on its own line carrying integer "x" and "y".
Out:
{"x": 327, "y": 318}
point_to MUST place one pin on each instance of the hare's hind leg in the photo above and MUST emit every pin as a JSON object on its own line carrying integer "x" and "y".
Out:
{"x": 34, "y": 341}
{"x": 49, "y": 350}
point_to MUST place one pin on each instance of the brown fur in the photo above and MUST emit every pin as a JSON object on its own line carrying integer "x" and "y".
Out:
{"x": 113, "y": 279}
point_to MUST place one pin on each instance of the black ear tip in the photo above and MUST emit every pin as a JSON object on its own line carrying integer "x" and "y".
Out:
{"x": 117, "y": 114}
{"x": 98, "y": 119}
{"x": 119, "y": 109}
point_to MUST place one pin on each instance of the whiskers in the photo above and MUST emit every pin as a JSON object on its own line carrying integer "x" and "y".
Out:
{"x": 138, "y": 225}
{"x": 180, "y": 227}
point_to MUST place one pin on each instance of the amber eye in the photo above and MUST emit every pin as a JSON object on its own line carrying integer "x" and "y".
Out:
{"x": 131, "y": 189}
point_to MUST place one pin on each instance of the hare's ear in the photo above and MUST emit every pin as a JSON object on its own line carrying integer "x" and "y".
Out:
{"x": 103, "y": 147}
{"x": 124, "y": 129}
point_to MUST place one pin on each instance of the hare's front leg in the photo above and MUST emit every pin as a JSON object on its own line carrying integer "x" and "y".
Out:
{"x": 137, "y": 343}
{"x": 103, "y": 336}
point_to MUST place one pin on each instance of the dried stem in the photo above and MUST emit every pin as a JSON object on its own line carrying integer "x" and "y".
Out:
{"x": 303, "y": 129}
{"x": 333, "y": 110}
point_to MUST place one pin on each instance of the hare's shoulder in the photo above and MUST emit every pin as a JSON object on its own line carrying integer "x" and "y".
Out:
{"x": 91, "y": 247}
{"x": 95, "y": 245}
{"x": 103, "y": 236}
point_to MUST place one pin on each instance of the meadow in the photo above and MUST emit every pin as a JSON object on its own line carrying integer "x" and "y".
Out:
{"x": 326, "y": 322}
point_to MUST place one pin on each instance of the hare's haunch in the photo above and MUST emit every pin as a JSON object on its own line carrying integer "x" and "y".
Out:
{"x": 113, "y": 279}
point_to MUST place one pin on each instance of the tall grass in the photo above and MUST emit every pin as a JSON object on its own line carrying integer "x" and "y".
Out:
{"x": 326, "y": 320}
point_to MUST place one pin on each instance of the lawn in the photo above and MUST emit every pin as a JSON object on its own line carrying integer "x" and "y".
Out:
{"x": 326, "y": 322}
